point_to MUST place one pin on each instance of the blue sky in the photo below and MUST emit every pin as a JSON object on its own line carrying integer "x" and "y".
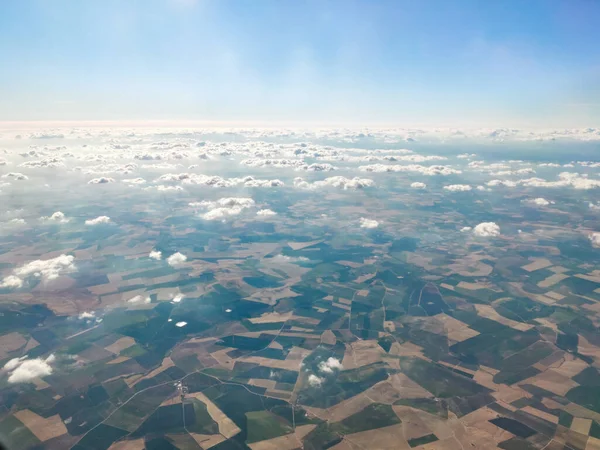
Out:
{"x": 447, "y": 62}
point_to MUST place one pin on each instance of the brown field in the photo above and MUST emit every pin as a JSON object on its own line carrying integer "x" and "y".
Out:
{"x": 301, "y": 245}
{"x": 226, "y": 427}
{"x": 11, "y": 342}
{"x": 537, "y": 264}
{"x": 489, "y": 312}
{"x": 137, "y": 444}
{"x": 385, "y": 438}
{"x": 327, "y": 337}
{"x": 552, "y": 280}
{"x": 361, "y": 353}
{"x": 207, "y": 441}
{"x": 120, "y": 344}
{"x": 43, "y": 429}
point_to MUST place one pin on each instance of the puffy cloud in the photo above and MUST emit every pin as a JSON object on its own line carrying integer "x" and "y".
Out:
{"x": 465, "y": 229}
{"x": 176, "y": 259}
{"x": 537, "y": 201}
{"x": 594, "y": 239}
{"x": 466, "y": 155}
{"x": 101, "y": 180}
{"x": 22, "y": 370}
{"x": 297, "y": 164}
{"x": 139, "y": 299}
{"x": 98, "y": 220}
{"x": 266, "y": 212}
{"x": 594, "y": 206}
{"x": 52, "y": 162}
{"x": 155, "y": 254}
{"x": 87, "y": 315}
{"x": 224, "y": 207}
{"x": 458, "y": 187}
{"x": 134, "y": 181}
{"x": 506, "y": 183}
{"x": 17, "y": 221}
{"x": 565, "y": 179}
{"x": 217, "y": 181}
{"x": 289, "y": 259}
{"x": 58, "y": 216}
{"x": 330, "y": 365}
{"x": 337, "y": 182}
{"x": 11, "y": 282}
{"x": 177, "y": 298}
{"x": 16, "y": 176}
{"x": 163, "y": 188}
{"x": 47, "y": 270}
{"x": 368, "y": 223}
{"x": 425, "y": 170}
{"x": 181, "y": 324}
{"x": 418, "y": 185}
{"x": 315, "y": 381}
{"x": 487, "y": 229}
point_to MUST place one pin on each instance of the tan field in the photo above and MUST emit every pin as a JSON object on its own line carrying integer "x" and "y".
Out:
{"x": 43, "y": 429}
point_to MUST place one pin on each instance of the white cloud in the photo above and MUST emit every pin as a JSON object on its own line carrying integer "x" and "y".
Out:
{"x": 47, "y": 270}
{"x": 181, "y": 324}
{"x": 87, "y": 315}
{"x": 465, "y": 229}
{"x": 418, "y": 185}
{"x": 315, "y": 381}
{"x": 22, "y": 370}
{"x": 466, "y": 155}
{"x": 487, "y": 229}
{"x": 11, "y": 282}
{"x": 217, "y": 181}
{"x": 594, "y": 239}
{"x": 337, "y": 182}
{"x": 368, "y": 223}
{"x": 594, "y": 206}
{"x": 17, "y": 221}
{"x": 266, "y": 212}
{"x": 16, "y": 176}
{"x": 58, "y": 216}
{"x": 330, "y": 365}
{"x": 177, "y": 298}
{"x": 176, "y": 259}
{"x": 537, "y": 201}
{"x": 458, "y": 187}
{"x": 101, "y": 180}
{"x": 139, "y": 299}
{"x": 134, "y": 181}
{"x": 155, "y": 254}
{"x": 98, "y": 220}
{"x": 289, "y": 259}
{"x": 52, "y": 162}
{"x": 224, "y": 207}
{"x": 425, "y": 170}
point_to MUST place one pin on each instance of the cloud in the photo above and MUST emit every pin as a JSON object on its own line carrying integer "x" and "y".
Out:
{"x": 537, "y": 201}
{"x": 16, "y": 176}
{"x": 58, "y": 216}
{"x": 22, "y": 370}
{"x": 11, "y": 282}
{"x": 289, "y": 259}
{"x": 458, "y": 187}
{"x": 134, "y": 181}
{"x": 17, "y": 221}
{"x": 330, "y": 365}
{"x": 418, "y": 185}
{"x": 98, "y": 220}
{"x": 266, "y": 212}
{"x": 52, "y": 162}
{"x": 466, "y": 155}
{"x": 177, "y": 298}
{"x": 487, "y": 229}
{"x": 297, "y": 164}
{"x": 176, "y": 259}
{"x": 425, "y": 170}
{"x": 181, "y": 324}
{"x": 224, "y": 207}
{"x": 594, "y": 206}
{"x": 101, "y": 180}
{"x": 87, "y": 315}
{"x": 138, "y": 299}
{"x": 155, "y": 254}
{"x": 465, "y": 229}
{"x": 46, "y": 270}
{"x": 368, "y": 223}
{"x": 217, "y": 181}
{"x": 595, "y": 239}
{"x": 315, "y": 381}
{"x": 337, "y": 182}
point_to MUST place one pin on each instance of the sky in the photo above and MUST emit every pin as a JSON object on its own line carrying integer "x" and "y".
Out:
{"x": 400, "y": 62}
